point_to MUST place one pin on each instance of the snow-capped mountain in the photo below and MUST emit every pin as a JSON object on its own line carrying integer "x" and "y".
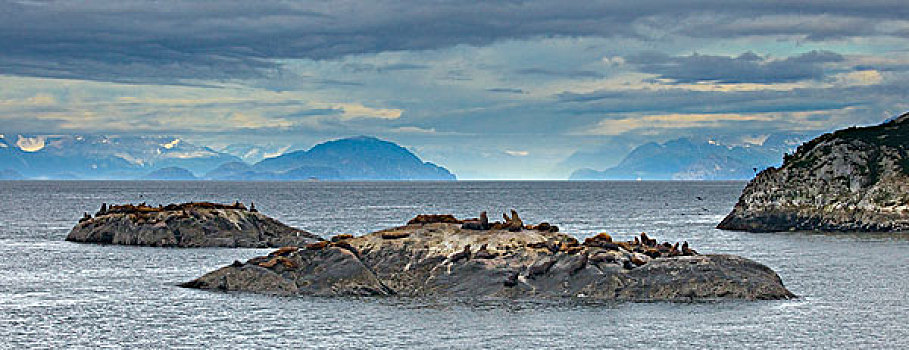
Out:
{"x": 103, "y": 157}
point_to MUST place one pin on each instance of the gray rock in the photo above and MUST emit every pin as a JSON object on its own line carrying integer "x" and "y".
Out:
{"x": 855, "y": 180}
{"x": 187, "y": 225}
{"x": 507, "y": 264}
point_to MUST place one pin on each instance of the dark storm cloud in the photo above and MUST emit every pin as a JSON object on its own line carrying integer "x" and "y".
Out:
{"x": 745, "y": 68}
{"x": 763, "y": 101}
{"x": 160, "y": 41}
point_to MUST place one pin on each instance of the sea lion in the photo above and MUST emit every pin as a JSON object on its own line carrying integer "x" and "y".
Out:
{"x": 652, "y": 252}
{"x": 341, "y": 237}
{"x": 484, "y": 253}
{"x": 85, "y": 217}
{"x": 284, "y": 251}
{"x": 637, "y": 260}
{"x": 423, "y": 219}
{"x": 543, "y": 226}
{"x": 484, "y": 221}
{"x": 345, "y": 245}
{"x": 463, "y": 254}
{"x": 287, "y": 263}
{"x": 571, "y": 249}
{"x": 395, "y": 235}
{"x": 687, "y": 251}
{"x": 317, "y": 245}
{"x": 674, "y": 251}
{"x": 516, "y": 224}
{"x": 252, "y": 207}
{"x": 647, "y": 241}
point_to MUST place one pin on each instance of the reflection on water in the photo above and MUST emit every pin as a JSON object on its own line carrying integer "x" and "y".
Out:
{"x": 60, "y": 294}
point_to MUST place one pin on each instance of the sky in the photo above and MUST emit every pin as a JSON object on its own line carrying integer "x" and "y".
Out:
{"x": 488, "y": 89}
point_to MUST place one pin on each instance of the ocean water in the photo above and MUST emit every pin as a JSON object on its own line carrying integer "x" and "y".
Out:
{"x": 853, "y": 288}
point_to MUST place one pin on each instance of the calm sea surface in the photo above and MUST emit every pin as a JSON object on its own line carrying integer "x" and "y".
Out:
{"x": 55, "y": 294}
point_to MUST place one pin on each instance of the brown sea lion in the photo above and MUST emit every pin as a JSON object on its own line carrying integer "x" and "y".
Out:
{"x": 463, "y": 254}
{"x": 484, "y": 220}
{"x": 686, "y": 250}
{"x": 395, "y": 235}
{"x": 484, "y": 253}
{"x": 647, "y": 241}
{"x": 423, "y": 219}
{"x": 317, "y": 245}
{"x": 516, "y": 224}
{"x": 284, "y": 251}
{"x": 341, "y": 237}
{"x": 652, "y": 252}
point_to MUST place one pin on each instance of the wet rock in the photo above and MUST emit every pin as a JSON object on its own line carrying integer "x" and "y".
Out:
{"x": 435, "y": 259}
{"x": 197, "y": 224}
{"x": 854, "y": 180}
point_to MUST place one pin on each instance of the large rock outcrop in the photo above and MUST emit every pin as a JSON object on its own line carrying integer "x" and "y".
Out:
{"x": 187, "y": 225}
{"x": 855, "y": 180}
{"x": 435, "y": 256}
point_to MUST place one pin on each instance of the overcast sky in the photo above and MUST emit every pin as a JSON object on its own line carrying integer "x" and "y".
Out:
{"x": 502, "y": 89}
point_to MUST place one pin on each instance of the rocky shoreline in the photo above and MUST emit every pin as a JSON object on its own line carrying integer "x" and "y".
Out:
{"x": 852, "y": 180}
{"x": 197, "y": 224}
{"x": 442, "y": 256}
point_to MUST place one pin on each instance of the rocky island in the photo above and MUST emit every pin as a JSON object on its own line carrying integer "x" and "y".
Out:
{"x": 187, "y": 225}
{"x": 442, "y": 256}
{"x": 854, "y": 180}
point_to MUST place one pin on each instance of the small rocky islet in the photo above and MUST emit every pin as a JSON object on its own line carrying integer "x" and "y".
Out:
{"x": 196, "y": 224}
{"x": 442, "y": 256}
{"x": 851, "y": 180}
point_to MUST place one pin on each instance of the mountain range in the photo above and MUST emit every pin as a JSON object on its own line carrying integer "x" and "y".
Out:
{"x": 355, "y": 158}
{"x": 102, "y": 157}
{"x": 168, "y": 158}
{"x": 689, "y": 159}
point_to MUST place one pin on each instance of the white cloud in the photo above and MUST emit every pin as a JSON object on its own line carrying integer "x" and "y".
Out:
{"x": 31, "y": 144}
{"x": 517, "y": 153}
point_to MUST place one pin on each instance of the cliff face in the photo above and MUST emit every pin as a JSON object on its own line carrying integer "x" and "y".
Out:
{"x": 855, "y": 179}
{"x": 187, "y": 225}
{"x": 444, "y": 258}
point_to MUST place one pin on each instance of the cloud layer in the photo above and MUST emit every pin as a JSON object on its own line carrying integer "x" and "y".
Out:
{"x": 523, "y": 81}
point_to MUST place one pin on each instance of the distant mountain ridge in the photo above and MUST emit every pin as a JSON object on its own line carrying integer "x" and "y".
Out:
{"x": 169, "y": 158}
{"x": 354, "y": 158}
{"x": 102, "y": 157}
{"x": 687, "y": 159}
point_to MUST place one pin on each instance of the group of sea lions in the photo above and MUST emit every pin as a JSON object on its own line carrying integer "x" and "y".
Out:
{"x": 645, "y": 245}
{"x": 512, "y": 223}
{"x": 143, "y": 207}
